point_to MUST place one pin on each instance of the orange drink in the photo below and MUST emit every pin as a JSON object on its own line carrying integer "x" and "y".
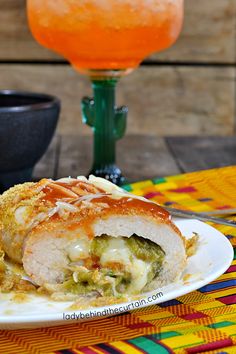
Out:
{"x": 105, "y": 39}
{"x": 105, "y": 34}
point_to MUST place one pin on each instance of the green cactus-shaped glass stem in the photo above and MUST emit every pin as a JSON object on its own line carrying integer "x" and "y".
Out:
{"x": 109, "y": 124}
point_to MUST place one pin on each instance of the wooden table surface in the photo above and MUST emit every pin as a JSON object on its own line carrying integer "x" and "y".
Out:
{"x": 140, "y": 157}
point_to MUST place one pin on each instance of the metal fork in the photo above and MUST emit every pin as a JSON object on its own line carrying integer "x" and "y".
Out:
{"x": 207, "y": 216}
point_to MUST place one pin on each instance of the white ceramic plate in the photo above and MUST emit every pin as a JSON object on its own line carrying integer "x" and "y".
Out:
{"x": 213, "y": 257}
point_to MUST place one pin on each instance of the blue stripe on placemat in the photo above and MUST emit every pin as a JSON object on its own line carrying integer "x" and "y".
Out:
{"x": 219, "y": 285}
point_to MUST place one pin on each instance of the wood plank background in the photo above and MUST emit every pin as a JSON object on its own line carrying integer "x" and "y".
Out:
{"x": 189, "y": 89}
{"x": 70, "y": 156}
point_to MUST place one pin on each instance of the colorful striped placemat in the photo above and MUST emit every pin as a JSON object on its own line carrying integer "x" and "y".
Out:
{"x": 203, "y": 321}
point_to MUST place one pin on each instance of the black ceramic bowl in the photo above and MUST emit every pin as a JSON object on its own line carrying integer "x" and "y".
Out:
{"x": 27, "y": 124}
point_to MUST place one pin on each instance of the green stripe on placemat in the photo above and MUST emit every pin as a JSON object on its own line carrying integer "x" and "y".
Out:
{"x": 130, "y": 187}
{"x": 159, "y": 336}
{"x": 127, "y": 187}
{"x": 221, "y": 324}
{"x": 158, "y": 180}
{"x": 148, "y": 345}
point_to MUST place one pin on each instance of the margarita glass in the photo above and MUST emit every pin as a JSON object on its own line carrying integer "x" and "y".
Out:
{"x": 105, "y": 39}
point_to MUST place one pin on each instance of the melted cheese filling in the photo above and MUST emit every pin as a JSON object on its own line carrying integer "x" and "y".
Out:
{"x": 116, "y": 251}
{"x": 79, "y": 249}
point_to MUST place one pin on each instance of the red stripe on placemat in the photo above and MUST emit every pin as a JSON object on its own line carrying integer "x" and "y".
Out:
{"x": 210, "y": 346}
{"x": 152, "y": 195}
{"x": 224, "y": 207}
{"x": 184, "y": 190}
{"x": 87, "y": 350}
{"x": 231, "y": 269}
{"x": 193, "y": 316}
{"x": 64, "y": 351}
{"x": 227, "y": 300}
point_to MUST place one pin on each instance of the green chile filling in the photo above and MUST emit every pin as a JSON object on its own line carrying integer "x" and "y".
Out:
{"x": 105, "y": 280}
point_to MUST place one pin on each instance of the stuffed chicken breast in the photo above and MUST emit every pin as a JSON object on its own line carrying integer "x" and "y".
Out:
{"x": 84, "y": 236}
